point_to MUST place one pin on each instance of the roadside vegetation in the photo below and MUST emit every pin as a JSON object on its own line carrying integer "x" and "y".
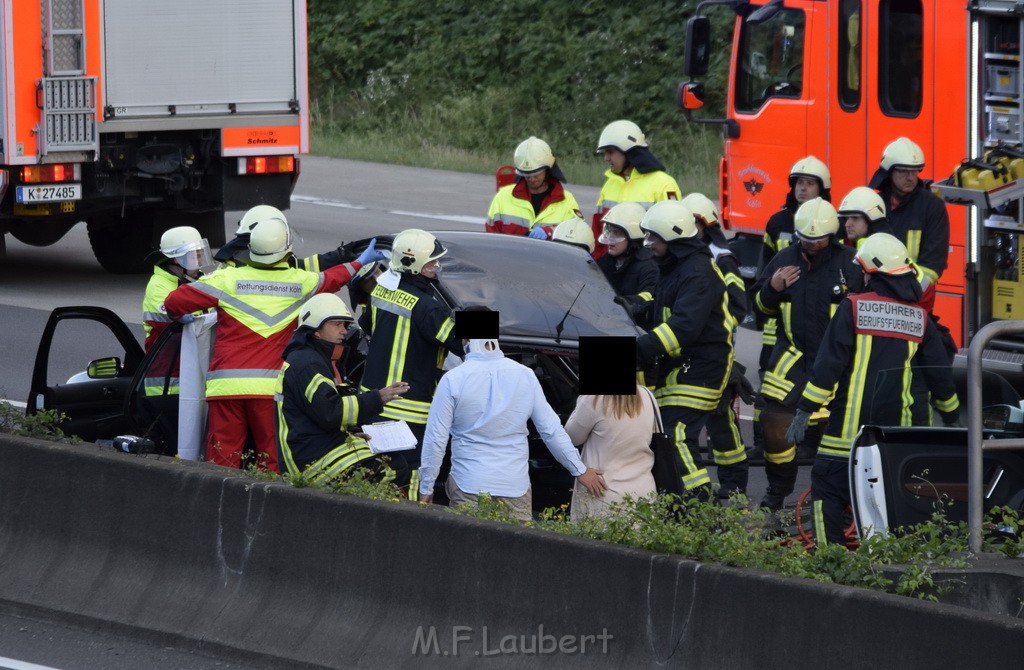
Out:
{"x": 904, "y": 563}
{"x": 459, "y": 85}
{"x": 44, "y": 425}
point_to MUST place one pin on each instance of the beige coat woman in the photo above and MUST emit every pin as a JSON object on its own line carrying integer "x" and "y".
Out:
{"x": 620, "y": 446}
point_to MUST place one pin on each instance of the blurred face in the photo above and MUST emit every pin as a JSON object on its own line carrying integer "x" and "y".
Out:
{"x": 856, "y": 226}
{"x": 431, "y": 269}
{"x": 805, "y": 189}
{"x": 332, "y": 331}
{"x": 536, "y": 181}
{"x": 657, "y": 245}
{"x": 368, "y": 283}
{"x": 903, "y": 180}
{"x": 616, "y": 239}
{"x": 812, "y": 247}
{"x": 615, "y": 159}
{"x": 618, "y": 248}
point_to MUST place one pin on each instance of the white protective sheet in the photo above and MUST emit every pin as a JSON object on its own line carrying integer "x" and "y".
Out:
{"x": 196, "y": 345}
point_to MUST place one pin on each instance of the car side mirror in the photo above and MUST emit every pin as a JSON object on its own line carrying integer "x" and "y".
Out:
{"x": 1005, "y": 418}
{"x": 698, "y": 46}
{"x": 104, "y": 368}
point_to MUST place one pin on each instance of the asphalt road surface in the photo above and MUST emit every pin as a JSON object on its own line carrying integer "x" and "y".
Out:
{"x": 34, "y": 642}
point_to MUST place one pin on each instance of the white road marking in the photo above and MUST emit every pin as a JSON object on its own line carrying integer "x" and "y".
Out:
{"x": 15, "y": 403}
{"x": 326, "y": 202}
{"x": 443, "y": 217}
{"x": 12, "y": 664}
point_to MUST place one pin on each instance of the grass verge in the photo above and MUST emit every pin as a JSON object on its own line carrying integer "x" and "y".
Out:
{"x": 693, "y": 161}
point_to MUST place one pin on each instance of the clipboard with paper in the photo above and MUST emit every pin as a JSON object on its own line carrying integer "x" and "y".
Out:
{"x": 389, "y": 436}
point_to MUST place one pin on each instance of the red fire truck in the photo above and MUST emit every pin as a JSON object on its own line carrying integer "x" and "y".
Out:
{"x": 138, "y": 116}
{"x": 842, "y": 79}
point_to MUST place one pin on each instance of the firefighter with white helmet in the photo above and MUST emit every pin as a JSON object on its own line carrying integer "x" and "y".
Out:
{"x": 633, "y": 174}
{"x": 692, "y": 341}
{"x": 627, "y": 264}
{"x": 800, "y": 287}
{"x": 537, "y": 201}
{"x": 916, "y": 216}
{"x": 862, "y": 213}
{"x": 410, "y": 329}
{"x": 318, "y": 411}
{"x": 808, "y": 178}
{"x": 236, "y": 251}
{"x": 723, "y": 428}
{"x": 257, "y": 307}
{"x": 576, "y": 232}
{"x": 184, "y": 255}
{"x": 864, "y": 362}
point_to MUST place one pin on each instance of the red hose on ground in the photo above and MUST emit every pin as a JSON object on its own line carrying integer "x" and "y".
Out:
{"x": 807, "y": 537}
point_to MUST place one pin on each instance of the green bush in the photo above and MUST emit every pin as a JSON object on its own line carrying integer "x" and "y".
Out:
{"x": 473, "y": 79}
{"x": 44, "y": 424}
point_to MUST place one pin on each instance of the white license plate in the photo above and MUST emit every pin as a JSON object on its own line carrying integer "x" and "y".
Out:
{"x": 48, "y": 193}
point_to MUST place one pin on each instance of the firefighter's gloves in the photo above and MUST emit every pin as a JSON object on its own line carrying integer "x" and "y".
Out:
{"x": 738, "y": 386}
{"x": 370, "y": 254}
{"x": 636, "y": 306}
{"x": 537, "y": 232}
{"x": 186, "y": 318}
{"x": 741, "y": 385}
{"x": 795, "y": 434}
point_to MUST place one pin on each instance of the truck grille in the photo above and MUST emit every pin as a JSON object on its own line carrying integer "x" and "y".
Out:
{"x": 69, "y": 114}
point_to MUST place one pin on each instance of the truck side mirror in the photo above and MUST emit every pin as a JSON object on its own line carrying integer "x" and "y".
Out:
{"x": 690, "y": 95}
{"x": 764, "y": 12}
{"x": 104, "y": 368}
{"x": 698, "y": 46}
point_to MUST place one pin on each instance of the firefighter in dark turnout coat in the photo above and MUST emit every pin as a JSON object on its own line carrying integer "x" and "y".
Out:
{"x": 693, "y": 340}
{"x": 801, "y": 288}
{"x": 316, "y": 409}
{"x": 723, "y": 428}
{"x": 410, "y": 331}
{"x": 865, "y": 356}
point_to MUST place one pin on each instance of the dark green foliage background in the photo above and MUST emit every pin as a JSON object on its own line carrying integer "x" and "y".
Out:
{"x": 481, "y": 76}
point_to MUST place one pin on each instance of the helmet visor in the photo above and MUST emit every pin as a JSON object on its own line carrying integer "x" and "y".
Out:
{"x": 438, "y": 251}
{"x": 811, "y": 238}
{"x": 196, "y": 256}
{"x": 611, "y": 234}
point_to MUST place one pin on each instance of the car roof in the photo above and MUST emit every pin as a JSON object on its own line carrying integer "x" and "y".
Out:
{"x": 532, "y": 284}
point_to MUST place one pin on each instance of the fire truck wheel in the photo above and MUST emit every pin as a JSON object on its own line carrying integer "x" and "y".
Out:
{"x": 37, "y": 233}
{"x": 122, "y": 245}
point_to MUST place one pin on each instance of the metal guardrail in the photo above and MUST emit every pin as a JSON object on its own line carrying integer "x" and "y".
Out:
{"x": 975, "y": 444}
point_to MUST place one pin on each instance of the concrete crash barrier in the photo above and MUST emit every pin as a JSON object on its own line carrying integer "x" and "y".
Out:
{"x": 207, "y": 557}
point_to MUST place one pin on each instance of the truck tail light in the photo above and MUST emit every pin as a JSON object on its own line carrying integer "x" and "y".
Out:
{"x": 266, "y": 164}
{"x": 54, "y": 172}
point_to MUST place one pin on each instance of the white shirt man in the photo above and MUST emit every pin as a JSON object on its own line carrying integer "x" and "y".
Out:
{"x": 484, "y": 405}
